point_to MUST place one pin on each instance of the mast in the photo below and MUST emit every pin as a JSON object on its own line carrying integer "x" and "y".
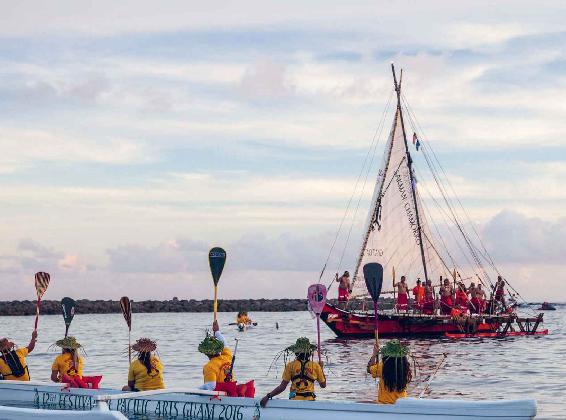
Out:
{"x": 410, "y": 165}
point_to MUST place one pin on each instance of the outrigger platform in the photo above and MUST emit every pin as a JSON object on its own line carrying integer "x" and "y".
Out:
{"x": 350, "y": 324}
{"x": 213, "y": 405}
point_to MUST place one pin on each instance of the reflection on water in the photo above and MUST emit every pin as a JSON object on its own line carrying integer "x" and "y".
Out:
{"x": 515, "y": 367}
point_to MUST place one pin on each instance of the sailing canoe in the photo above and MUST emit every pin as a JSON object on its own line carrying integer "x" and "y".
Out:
{"x": 190, "y": 404}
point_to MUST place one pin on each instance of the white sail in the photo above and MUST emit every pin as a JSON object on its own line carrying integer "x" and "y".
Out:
{"x": 394, "y": 230}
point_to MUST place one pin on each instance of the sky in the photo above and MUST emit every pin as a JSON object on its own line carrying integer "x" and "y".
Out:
{"x": 136, "y": 135}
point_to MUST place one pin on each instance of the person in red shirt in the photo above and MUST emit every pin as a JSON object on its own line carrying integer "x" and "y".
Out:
{"x": 419, "y": 294}
{"x": 462, "y": 298}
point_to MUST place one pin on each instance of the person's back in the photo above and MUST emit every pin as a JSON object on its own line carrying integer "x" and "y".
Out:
{"x": 148, "y": 377}
{"x": 302, "y": 375}
{"x": 394, "y": 372}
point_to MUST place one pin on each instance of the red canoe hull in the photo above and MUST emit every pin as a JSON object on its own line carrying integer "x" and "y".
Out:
{"x": 352, "y": 325}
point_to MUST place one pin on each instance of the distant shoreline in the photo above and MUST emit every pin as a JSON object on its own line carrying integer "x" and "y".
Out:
{"x": 86, "y": 306}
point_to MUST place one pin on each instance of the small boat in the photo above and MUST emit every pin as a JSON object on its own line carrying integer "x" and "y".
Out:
{"x": 214, "y": 405}
{"x": 494, "y": 334}
{"x": 547, "y": 307}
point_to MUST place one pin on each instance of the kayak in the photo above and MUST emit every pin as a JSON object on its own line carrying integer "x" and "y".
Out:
{"x": 244, "y": 327}
{"x": 98, "y": 413}
{"x": 494, "y": 334}
{"x": 214, "y": 405}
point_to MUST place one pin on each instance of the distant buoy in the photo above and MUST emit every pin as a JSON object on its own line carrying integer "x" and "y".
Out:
{"x": 277, "y": 325}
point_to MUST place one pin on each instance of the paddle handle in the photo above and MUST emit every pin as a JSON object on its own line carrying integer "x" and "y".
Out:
{"x": 37, "y": 313}
{"x": 66, "y": 330}
{"x": 130, "y": 346}
{"x": 215, "y": 301}
{"x": 376, "y": 321}
{"x": 318, "y": 336}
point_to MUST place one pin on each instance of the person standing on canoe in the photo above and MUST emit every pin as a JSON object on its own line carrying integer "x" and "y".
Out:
{"x": 301, "y": 372}
{"x": 446, "y": 293}
{"x": 13, "y": 364}
{"x": 393, "y": 372}
{"x": 217, "y": 369}
{"x": 480, "y": 299}
{"x": 146, "y": 372}
{"x": 500, "y": 292}
{"x": 402, "y": 295}
{"x": 344, "y": 288}
{"x": 428, "y": 305}
{"x": 462, "y": 302}
{"x": 419, "y": 296}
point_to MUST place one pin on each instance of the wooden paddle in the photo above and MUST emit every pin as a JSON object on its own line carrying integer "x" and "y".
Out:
{"x": 373, "y": 275}
{"x": 68, "y": 310}
{"x": 316, "y": 297}
{"x": 216, "y": 260}
{"x": 41, "y": 283}
{"x": 126, "y": 306}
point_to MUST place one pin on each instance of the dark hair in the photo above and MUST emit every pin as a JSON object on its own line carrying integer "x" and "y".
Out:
{"x": 396, "y": 373}
{"x": 145, "y": 358}
{"x": 303, "y": 357}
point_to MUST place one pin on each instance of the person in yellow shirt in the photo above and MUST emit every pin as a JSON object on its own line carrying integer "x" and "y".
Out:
{"x": 218, "y": 369}
{"x": 68, "y": 366}
{"x": 394, "y": 372}
{"x": 243, "y": 318}
{"x": 13, "y": 365}
{"x": 146, "y": 372}
{"x": 301, "y": 373}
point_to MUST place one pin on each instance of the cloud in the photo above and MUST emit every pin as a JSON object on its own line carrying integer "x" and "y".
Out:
{"x": 515, "y": 238}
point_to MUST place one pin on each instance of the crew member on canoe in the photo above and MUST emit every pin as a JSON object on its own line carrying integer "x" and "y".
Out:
{"x": 428, "y": 305}
{"x": 446, "y": 293}
{"x": 146, "y": 372}
{"x": 500, "y": 292}
{"x": 13, "y": 364}
{"x": 480, "y": 298}
{"x": 419, "y": 296}
{"x": 301, "y": 372}
{"x": 402, "y": 295}
{"x": 217, "y": 369}
{"x": 68, "y": 366}
{"x": 394, "y": 371}
{"x": 344, "y": 288}
{"x": 462, "y": 301}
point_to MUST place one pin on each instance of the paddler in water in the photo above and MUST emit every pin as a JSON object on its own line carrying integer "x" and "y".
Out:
{"x": 393, "y": 371}
{"x": 402, "y": 295}
{"x": 217, "y": 369}
{"x": 301, "y": 372}
{"x": 13, "y": 364}
{"x": 344, "y": 288}
{"x": 243, "y": 318}
{"x": 146, "y": 372}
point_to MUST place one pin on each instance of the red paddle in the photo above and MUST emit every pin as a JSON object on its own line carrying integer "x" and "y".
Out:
{"x": 41, "y": 282}
{"x": 316, "y": 297}
{"x": 126, "y": 306}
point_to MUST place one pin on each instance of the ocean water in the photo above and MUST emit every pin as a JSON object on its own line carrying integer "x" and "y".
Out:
{"x": 515, "y": 367}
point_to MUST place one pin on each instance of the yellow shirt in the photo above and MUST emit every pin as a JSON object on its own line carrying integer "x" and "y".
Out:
{"x": 64, "y": 365}
{"x": 144, "y": 381}
{"x": 303, "y": 385}
{"x": 244, "y": 320}
{"x": 7, "y": 372}
{"x": 384, "y": 396}
{"x": 217, "y": 368}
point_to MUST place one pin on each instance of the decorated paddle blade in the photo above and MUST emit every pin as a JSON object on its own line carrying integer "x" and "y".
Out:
{"x": 41, "y": 282}
{"x": 68, "y": 309}
{"x": 316, "y": 297}
{"x": 126, "y": 306}
{"x": 373, "y": 274}
{"x": 216, "y": 259}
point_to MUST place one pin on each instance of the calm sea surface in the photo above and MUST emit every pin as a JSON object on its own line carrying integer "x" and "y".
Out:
{"x": 520, "y": 367}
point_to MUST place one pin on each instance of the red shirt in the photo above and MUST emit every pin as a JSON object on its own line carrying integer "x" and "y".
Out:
{"x": 418, "y": 292}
